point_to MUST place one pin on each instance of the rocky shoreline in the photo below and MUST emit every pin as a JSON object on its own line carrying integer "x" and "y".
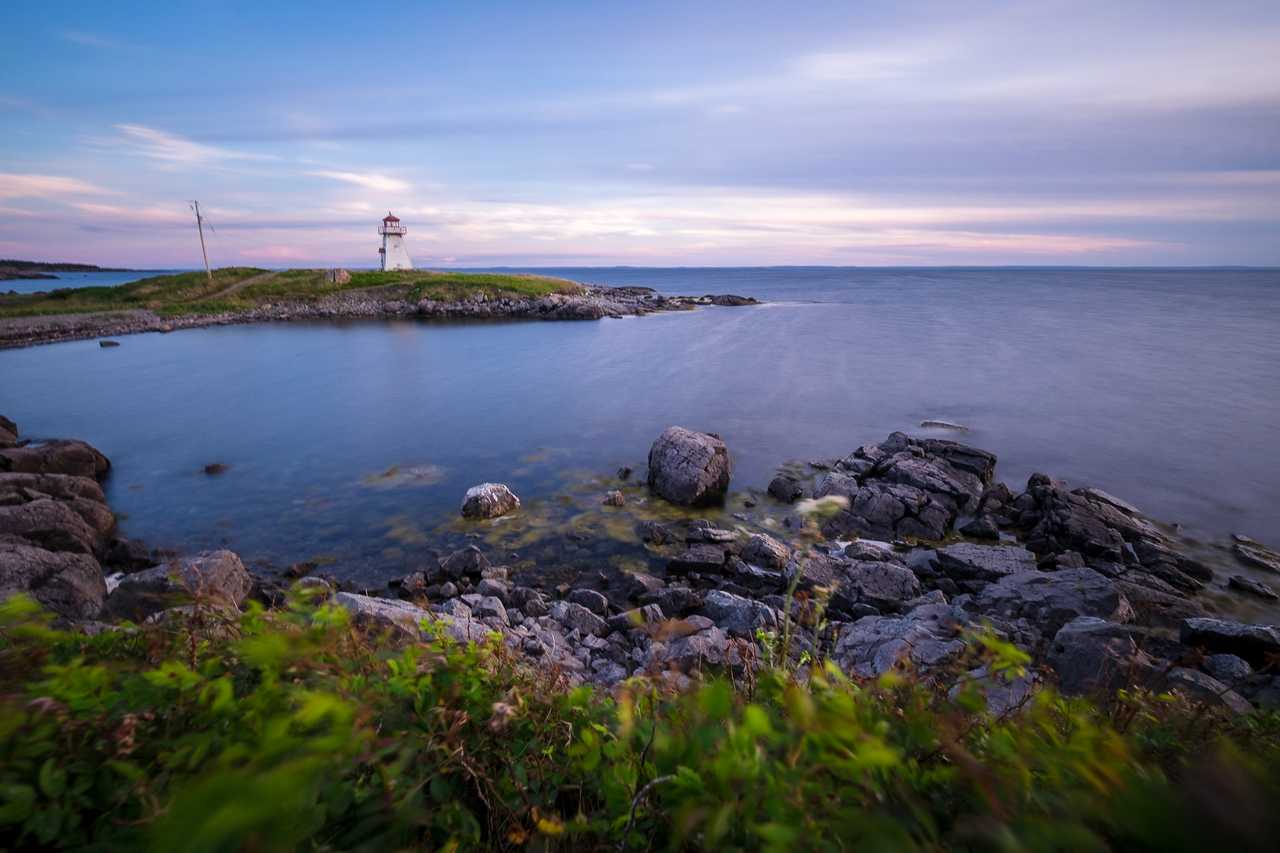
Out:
{"x": 593, "y": 303}
{"x": 904, "y": 553}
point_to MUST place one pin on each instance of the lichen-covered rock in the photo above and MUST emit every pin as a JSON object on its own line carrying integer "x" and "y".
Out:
{"x": 213, "y": 578}
{"x": 689, "y": 468}
{"x": 69, "y": 584}
{"x": 56, "y": 457}
{"x": 489, "y": 500}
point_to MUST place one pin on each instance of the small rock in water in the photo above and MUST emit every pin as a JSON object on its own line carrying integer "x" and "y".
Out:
{"x": 936, "y": 424}
{"x": 1257, "y": 555}
{"x": 615, "y": 498}
{"x": 689, "y": 468}
{"x": 489, "y": 500}
{"x": 215, "y": 468}
{"x": 108, "y": 344}
{"x": 624, "y": 473}
{"x": 1251, "y": 586}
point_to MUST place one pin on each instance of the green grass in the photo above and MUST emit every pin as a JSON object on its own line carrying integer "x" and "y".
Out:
{"x": 191, "y": 293}
{"x": 291, "y": 730}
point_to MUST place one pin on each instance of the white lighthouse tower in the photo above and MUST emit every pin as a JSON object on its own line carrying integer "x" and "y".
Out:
{"x": 392, "y": 254}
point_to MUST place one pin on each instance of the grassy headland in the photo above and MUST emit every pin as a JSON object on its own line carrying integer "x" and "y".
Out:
{"x": 244, "y": 288}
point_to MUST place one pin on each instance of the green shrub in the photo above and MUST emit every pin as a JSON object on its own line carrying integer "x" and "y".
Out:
{"x": 291, "y": 730}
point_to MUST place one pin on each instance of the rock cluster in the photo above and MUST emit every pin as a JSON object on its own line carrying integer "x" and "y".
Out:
{"x": 1093, "y": 591}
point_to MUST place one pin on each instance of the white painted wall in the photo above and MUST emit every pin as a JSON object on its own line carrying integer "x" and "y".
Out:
{"x": 395, "y": 257}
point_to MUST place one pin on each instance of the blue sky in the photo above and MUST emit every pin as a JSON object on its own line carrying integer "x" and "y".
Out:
{"x": 649, "y": 134}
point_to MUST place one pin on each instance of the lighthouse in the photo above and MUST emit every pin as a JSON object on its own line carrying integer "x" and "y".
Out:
{"x": 392, "y": 254}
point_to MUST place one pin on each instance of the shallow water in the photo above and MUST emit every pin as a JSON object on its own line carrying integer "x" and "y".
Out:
{"x": 1161, "y": 386}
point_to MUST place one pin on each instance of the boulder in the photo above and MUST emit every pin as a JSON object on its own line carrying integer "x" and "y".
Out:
{"x": 925, "y": 637}
{"x": 489, "y": 500}
{"x": 1253, "y": 643}
{"x": 738, "y": 616}
{"x": 52, "y": 525}
{"x": 763, "y": 550}
{"x": 69, "y": 584}
{"x": 640, "y": 617}
{"x": 691, "y": 654}
{"x": 1049, "y": 600}
{"x": 957, "y": 489}
{"x": 56, "y": 457}
{"x": 1091, "y": 655}
{"x": 1228, "y": 669}
{"x": 967, "y": 561}
{"x": 689, "y": 468}
{"x": 590, "y": 599}
{"x": 214, "y": 578}
{"x": 469, "y": 562}
{"x": 1002, "y": 695}
{"x": 576, "y": 617}
{"x": 402, "y": 619}
{"x": 889, "y": 511}
{"x": 882, "y": 585}
{"x": 786, "y": 489}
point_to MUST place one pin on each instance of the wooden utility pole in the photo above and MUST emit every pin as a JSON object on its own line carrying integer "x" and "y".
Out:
{"x": 195, "y": 205}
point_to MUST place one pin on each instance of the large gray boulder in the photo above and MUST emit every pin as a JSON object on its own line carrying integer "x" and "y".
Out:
{"x": 738, "y": 616}
{"x": 56, "y": 457}
{"x": 967, "y": 561}
{"x": 489, "y": 500}
{"x": 1091, "y": 655}
{"x": 1049, "y": 600}
{"x": 214, "y": 578}
{"x": 925, "y": 637}
{"x": 52, "y": 525}
{"x": 69, "y": 584}
{"x": 878, "y": 584}
{"x": 890, "y": 511}
{"x": 1253, "y": 643}
{"x": 689, "y": 468}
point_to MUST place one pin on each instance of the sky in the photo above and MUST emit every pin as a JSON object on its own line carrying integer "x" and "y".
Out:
{"x": 650, "y": 134}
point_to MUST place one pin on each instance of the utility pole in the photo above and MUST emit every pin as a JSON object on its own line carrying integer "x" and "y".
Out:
{"x": 195, "y": 205}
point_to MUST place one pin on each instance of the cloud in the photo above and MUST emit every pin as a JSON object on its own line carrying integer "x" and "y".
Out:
{"x": 91, "y": 40}
{"x": 367, "y": 180}
{"x": 171, "y": 148}
{"x": 13, "y": 185}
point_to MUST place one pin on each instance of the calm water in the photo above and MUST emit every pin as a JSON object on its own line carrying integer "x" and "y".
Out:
{"x": 71, "y": 280}
{"x": 1162, "y": 386}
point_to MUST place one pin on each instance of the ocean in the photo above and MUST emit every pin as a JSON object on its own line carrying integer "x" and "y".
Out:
{"x": 354, "y": 442}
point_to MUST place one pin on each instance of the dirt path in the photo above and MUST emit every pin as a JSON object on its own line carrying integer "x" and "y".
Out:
{"x": 240, "y": 285}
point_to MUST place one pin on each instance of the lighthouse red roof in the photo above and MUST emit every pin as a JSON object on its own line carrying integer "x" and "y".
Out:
{"x": 390, "y": 217}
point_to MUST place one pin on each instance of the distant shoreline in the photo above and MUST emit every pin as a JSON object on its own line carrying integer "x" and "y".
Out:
{"x": 16, "y": 270}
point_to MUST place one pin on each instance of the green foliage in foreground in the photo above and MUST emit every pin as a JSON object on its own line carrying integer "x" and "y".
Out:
{"x": 292, "y": 731}
{"x": 242, "y": 288}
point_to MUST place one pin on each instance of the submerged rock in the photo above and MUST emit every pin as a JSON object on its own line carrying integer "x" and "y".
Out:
{"x": 489, "y": 500}
{"x": 689, "y": 468}
{"x": 1253, "y": 554}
